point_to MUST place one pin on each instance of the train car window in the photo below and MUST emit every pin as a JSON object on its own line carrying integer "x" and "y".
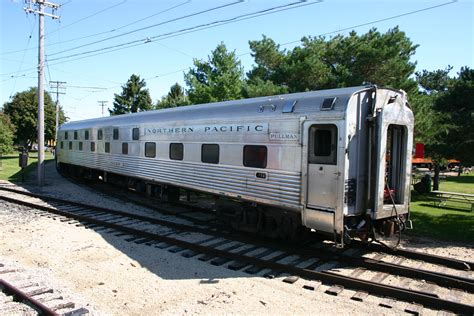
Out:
{"x": 210, "y": 153}
{"x": 124, "y": 148}
{"x": 150, "y": 150}
{"x": 99, "y": 134}
{"x": 92, "y": 146}
{"x": 323, "y": 144}
{"x": 107, "y": 147}
{"x": 75, "y": 135}
{"x": 255, "y": 156}
{"x": 176, "y": 151}
{"x": 136, "y": 133}
{"x": 70, "y": 145}
{"x": 86, "y": 135}
{"x": 116, "y": 133}
{"x": 62, "y": 145}
{"x": 80, "y": 145}
{"x": 66, "y": 136}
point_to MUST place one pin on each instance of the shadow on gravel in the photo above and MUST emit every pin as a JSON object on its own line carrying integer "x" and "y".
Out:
{"x": 171, "y": 265}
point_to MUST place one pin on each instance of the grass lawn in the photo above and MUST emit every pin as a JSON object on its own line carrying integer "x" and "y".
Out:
{"x": 455, "y": 222}
{"x": 9, "y": 169}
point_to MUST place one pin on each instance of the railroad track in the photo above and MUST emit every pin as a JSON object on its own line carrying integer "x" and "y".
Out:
{"x": 210, "y": 219}
{"x": 315, "y": 265}
{"x": 27, "y": 296}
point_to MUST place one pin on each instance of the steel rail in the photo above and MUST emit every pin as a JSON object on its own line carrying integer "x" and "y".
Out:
{"x": 23, "y": 297}
{"x": 377, "y": 265}
{"x": 410, "y": 254}
{"x": 426, "y": 299}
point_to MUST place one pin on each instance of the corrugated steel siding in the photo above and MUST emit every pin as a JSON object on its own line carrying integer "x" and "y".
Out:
{"x": 280, "y": 187}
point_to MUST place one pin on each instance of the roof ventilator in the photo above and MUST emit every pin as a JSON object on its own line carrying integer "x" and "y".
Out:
{"x": 328, "y": 104}
{"x": 261, "y": 108}
{"x": 289, "y": 106}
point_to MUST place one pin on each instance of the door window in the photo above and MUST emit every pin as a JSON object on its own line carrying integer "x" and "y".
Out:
{"x": 323, "y": 144}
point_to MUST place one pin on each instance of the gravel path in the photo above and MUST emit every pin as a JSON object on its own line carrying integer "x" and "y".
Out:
{"x": 110, "y": 276}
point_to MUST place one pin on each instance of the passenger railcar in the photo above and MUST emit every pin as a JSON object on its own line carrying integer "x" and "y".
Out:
{"x": 335, "y": 161}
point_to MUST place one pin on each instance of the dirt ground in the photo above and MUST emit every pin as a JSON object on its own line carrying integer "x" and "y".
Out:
{"x": 110, "y": 276}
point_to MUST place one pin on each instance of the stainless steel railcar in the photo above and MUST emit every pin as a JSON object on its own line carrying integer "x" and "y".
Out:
{"x": 336, "y": 161}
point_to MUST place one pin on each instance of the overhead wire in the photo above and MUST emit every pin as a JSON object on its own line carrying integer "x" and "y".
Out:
{"x": 101, "y": 33}
{"x": 86, "y": 17}
{"x": 287, "y": 43}
{"x": 191, "y": 29}
{"x": 24, "y": 53}
{"x": 151, "y": 26}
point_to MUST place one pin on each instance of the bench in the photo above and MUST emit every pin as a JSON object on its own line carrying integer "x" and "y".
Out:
{"x": 440, "y": 198}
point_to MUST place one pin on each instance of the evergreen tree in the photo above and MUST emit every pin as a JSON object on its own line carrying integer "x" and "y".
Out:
{"x": 134, "y": 97}
{"x": 218, "y": 79}
{"x": 341, "y": 61}
{"x": 175, "y": 97}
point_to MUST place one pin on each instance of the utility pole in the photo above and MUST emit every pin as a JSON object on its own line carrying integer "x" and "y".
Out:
{"x": 58, "y": 85}
{"x": 37, "y": 7}
{"x": 102, "y": 103}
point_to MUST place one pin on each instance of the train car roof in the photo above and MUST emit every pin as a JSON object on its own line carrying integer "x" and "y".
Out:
{"x": 269, "y": 106}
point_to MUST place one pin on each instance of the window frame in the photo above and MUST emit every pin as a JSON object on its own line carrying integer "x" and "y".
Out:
{"x": 245, "y": 161}
{"x": 213, "y": 161}
{"x": 171, "y": 151}
{"x": 324, "y": 159}
{"x": 154, "y": 149}
{"x": 137, "y": 134}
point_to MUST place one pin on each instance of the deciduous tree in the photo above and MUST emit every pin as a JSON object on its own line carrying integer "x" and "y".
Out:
{"x": 23, "y": 111}
{"x": 7, "y": 135}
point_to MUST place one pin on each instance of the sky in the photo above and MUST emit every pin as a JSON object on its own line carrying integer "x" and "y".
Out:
{"x": 96, "y": 46}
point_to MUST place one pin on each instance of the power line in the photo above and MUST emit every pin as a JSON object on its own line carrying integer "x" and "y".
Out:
{"x": 377, "y": 21}
{"x": 195, "y": 28}
{"x": 87, "y": 17}
{"x": 151, "y": 26}
{"x": 287, "y": 43}
{"x": 24, "y": 53}
{"x": 101, "y": 33}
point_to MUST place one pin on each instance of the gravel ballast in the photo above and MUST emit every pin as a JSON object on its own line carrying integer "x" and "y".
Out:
{"x": 108, "y": 275}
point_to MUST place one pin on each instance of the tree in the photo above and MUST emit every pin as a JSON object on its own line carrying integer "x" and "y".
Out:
{"x": 134, "y": 97}
{"x": 456, "y": 107}
{"x": 23, "y": 111}
{"x": 7, "y": 135}
{"x": 175, "y": 97}
{"x": 259, "y": 88}
{"x": 444, "y": 119}
{"x": 218, "y": 79}
{"x": 341, "y": 61}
